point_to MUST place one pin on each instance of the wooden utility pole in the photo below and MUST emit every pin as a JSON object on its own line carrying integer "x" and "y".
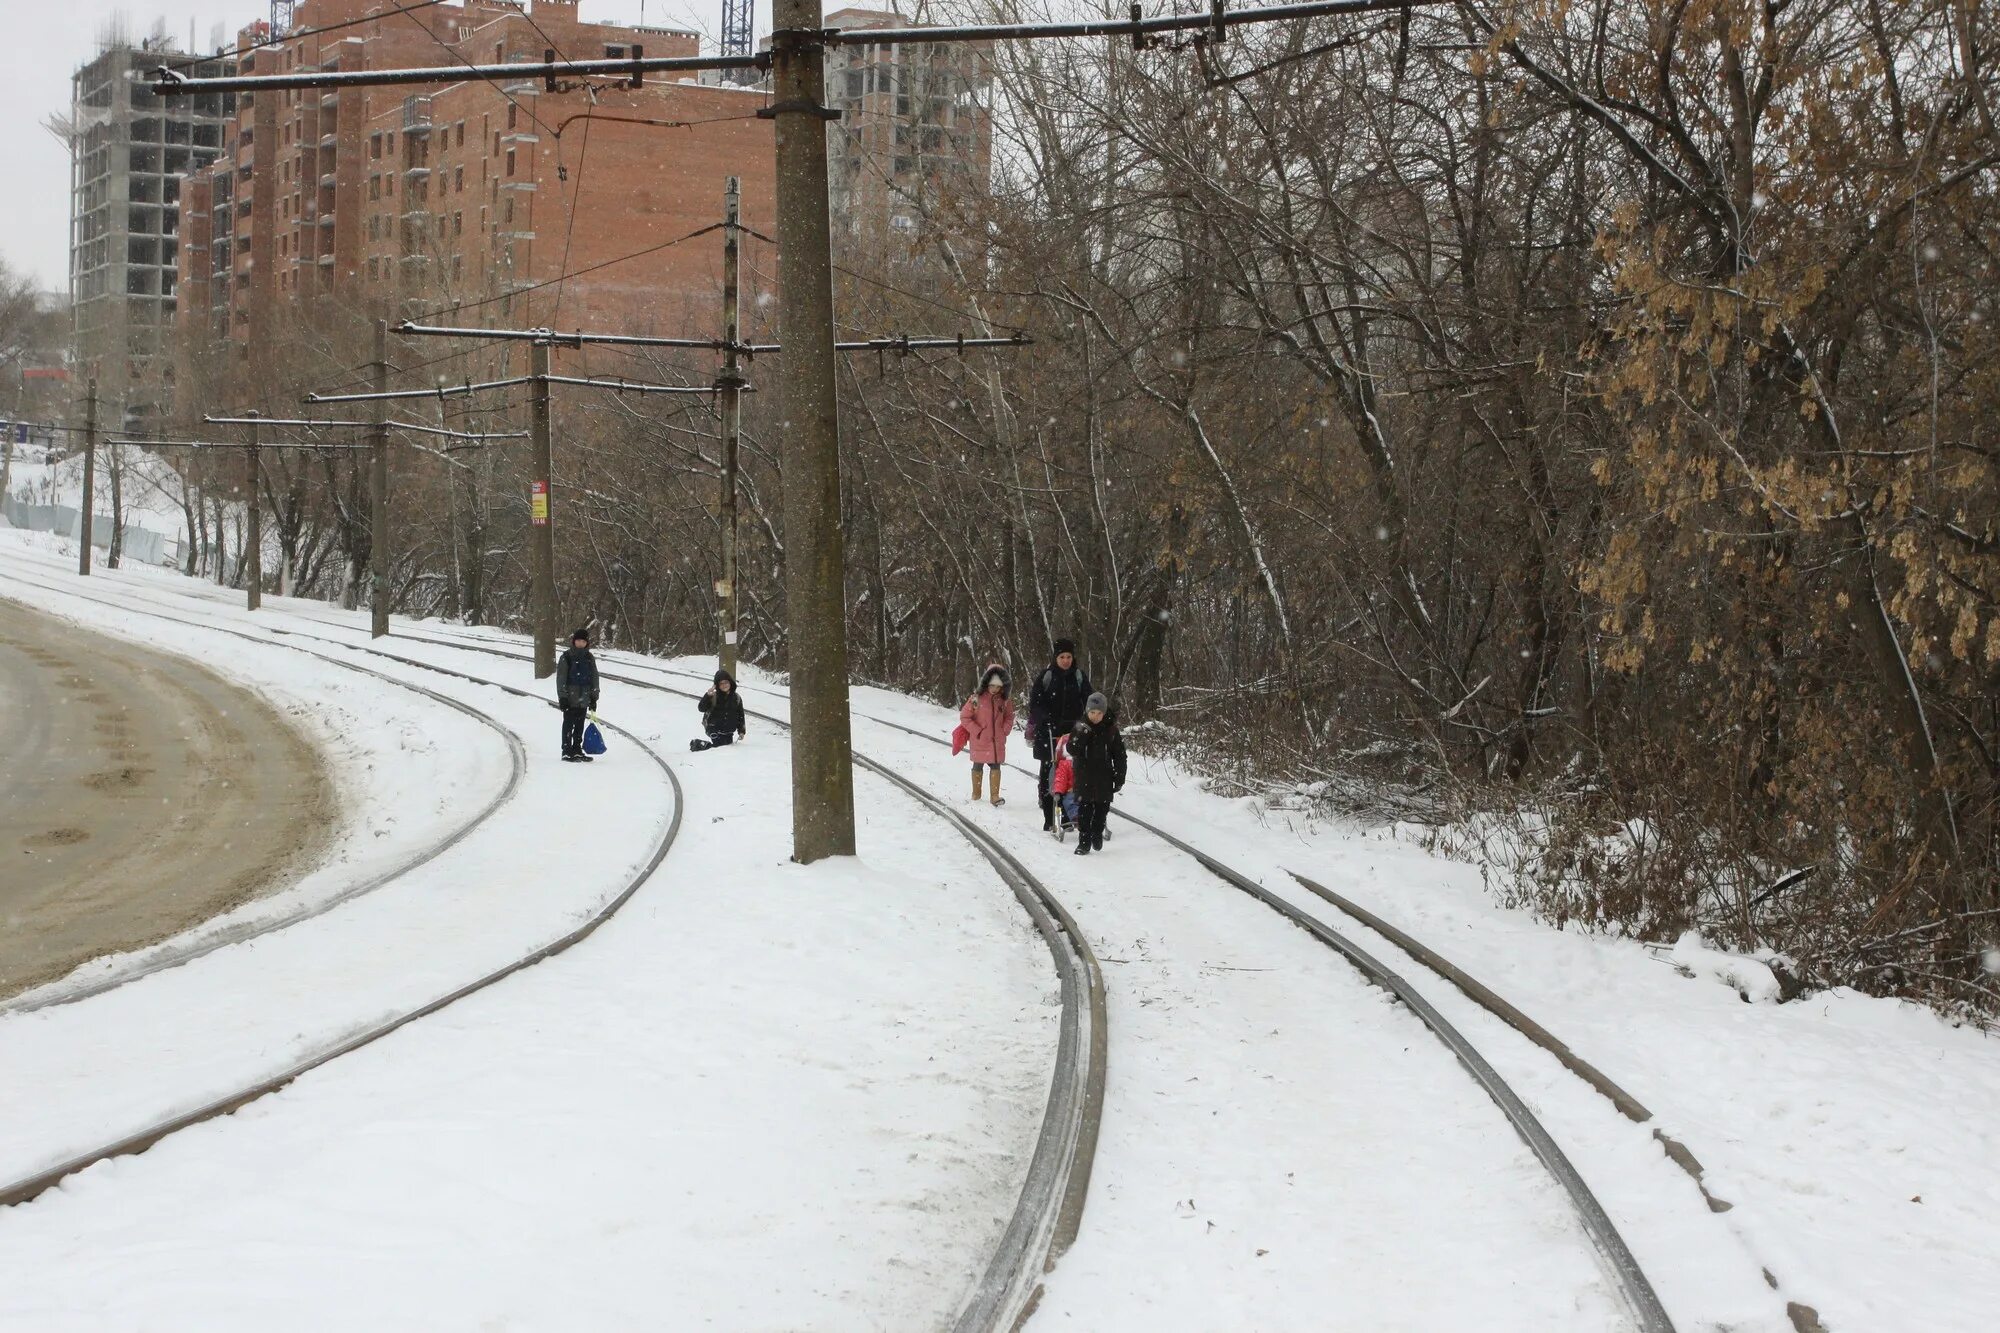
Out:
{"x": 815, "y": 590}
{"x": 89, "y": 473}
{"x": 378, "y": 492}
{"x": 730, "y": 382}
{"x": 541, "y": 514}
{"x": 252, "y": 473}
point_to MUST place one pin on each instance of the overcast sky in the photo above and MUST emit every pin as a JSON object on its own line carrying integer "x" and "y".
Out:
{"x": 53, "y": 37}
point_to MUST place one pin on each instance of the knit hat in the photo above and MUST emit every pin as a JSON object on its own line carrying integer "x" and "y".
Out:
{"x": 1097, "y": 703}
{"x": 1065, "y": 646}
{"x": 582, "y": 632}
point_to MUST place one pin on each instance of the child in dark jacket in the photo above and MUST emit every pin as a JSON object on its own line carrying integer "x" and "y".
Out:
{"x": 1097, "y": 760}
{"x": 721, "y": 714}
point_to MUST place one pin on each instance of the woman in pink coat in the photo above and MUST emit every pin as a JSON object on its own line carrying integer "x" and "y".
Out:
{"x": 987, "y": 718}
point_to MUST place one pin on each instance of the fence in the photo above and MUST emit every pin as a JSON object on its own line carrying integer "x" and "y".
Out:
{"x": 141, "y": 544}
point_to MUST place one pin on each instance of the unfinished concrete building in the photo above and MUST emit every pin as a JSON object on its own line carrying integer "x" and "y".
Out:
{"x": 128, "y": 153}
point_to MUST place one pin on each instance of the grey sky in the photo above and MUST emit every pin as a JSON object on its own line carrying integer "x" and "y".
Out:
{"x": 53, "y": 37}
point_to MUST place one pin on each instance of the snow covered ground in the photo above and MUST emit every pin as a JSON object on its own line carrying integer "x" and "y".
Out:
{"x": 760, "y": 1097}
{"x": 1281, "y": 1148}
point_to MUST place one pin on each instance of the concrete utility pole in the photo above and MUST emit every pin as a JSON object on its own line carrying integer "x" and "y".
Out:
{"x": 378, "y": 492}
{"x": 89, "y": 474}
{"x": 252, "y": 472}
{"x": 730, "y": 382}
{"x": 541, "y": 514}
{"x": 815, "y": 585}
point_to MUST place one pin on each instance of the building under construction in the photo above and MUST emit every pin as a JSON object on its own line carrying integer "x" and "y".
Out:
{"x": 129, "y": 151}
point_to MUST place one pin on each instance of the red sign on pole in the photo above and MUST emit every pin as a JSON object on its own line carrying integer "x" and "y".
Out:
{"x": 538, "y": 503}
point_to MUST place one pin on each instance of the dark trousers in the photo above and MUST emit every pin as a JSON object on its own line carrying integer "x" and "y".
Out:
{"x": 1042, "y": 788}
{"x": 717, "y": 739}
{"x": 573, "y": 720}
{"x": 1090, "y": 817}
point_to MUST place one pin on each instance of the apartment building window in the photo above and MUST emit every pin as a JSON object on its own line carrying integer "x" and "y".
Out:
{"x": 374, "y": 146}
{"x": 374, "y": 268}
{"x": 458, "y": 266}
{"x": 513, "y": 114}
{"x": 508, "y": 216}
{"x": 458, "y": 224}
{"x": 510, "y": 161}
{"x": 389, "y": 144}
{"x": 374, "y": 187}
{"x": 458, "y": 180}
{"x": 461, "y": 133}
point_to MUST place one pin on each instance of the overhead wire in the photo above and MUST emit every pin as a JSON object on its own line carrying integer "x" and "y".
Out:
{"x": 564, "y": 277}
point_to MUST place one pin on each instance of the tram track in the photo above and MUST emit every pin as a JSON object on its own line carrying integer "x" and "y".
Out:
{"x": 1048, "y": 1212}
{"x": 27, "y": 1188}
{"x": 1614, "y": 1255}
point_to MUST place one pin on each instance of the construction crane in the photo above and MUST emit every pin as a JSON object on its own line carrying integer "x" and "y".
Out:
{"x": 738, "y": 19}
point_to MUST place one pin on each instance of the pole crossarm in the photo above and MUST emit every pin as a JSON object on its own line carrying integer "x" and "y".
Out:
{"x": 234, "y": 444}
{"x": 441, "y": 391}
{"x": 902, "y": 342}
{"x": 170, "y": 83}
{"x": 457, "y": 390}
{"x": 636, "y": 386}
{"x": 554, "y": 338}
{"x": 313, "y": 423}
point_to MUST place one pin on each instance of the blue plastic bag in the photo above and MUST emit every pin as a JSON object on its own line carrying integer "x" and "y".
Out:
{"x": 593, "y": 739}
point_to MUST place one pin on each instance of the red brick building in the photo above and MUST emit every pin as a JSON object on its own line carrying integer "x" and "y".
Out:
{"x": 461, "y": 201}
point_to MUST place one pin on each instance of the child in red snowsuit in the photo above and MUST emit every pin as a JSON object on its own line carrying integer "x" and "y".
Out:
{"x": 1062, "y": 782}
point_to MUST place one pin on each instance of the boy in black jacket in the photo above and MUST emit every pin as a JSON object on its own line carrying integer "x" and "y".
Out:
{"x": 576, "y": 693}
{"x": 1097, "y": 758}
{"x": 721, "y": 714}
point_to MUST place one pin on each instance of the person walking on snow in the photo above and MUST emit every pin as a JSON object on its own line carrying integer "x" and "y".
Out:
{"x": 987, "y": 718}
{"x": 576, "y": 692}
{"x": 1055, "y": 703}
{"x": 721, "y": 714}
{"x": 1097, "y": 755}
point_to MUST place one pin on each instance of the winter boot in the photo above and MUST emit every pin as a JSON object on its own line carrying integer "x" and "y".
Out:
{"x": 1082, "y": 847}
{"x": 1048, "y": 813}
{"x": 698, "y": 746}
{"x": 996, "y": 788}
{"x": 978, "y": 777}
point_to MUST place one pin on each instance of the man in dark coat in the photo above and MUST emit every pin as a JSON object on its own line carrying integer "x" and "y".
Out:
{"x": 1055, "y": 703}
{"x": 576, "y": 692}
{"x": 721, "y": 714}
{"x": 1097, "y": 757}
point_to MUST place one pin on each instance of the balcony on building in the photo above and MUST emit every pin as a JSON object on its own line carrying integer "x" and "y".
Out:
{"x": 416, "y": 115}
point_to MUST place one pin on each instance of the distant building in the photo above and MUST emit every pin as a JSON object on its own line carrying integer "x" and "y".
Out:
{"x": 129, "y": 151}
{"x": 914, "y": 127}
{"x": 458, "y": 201}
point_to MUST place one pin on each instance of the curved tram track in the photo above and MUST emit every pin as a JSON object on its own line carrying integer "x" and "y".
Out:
{"x": 1049, "y": 1211}
{"x": 1635, "y": 1290}
{"x": 27, "y": 1188}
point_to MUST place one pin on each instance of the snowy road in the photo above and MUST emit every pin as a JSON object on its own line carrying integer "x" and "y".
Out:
{"x": 141, "y": 795}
